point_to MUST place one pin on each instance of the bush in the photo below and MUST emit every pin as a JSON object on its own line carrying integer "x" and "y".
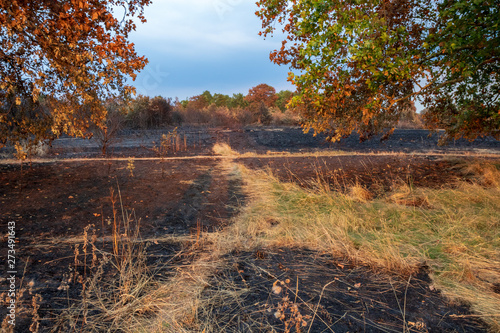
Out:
{"x": 145, "y": 112}
{"x": 177, "y": 117}
{"x": 222, "y": 116}
{"x": 243, "y": 115}
{"x": 288, "y": 118}
{"x": 106, "y": 133}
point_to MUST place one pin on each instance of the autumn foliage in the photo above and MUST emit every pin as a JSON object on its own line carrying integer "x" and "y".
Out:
{"x": 262, "y": 93}
{"x": 59, "y": 60}
{"x": 358, "y": 65}
{"x": 262, "y": 105}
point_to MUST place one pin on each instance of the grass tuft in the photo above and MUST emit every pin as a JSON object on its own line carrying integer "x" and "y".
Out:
{"x": 119, "y": 290}
{"x": 360, "y": 193}
{"x": 223, "y": 149}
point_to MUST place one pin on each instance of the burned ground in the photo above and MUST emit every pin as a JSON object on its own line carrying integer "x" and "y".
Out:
{"x": 54, "y": 200}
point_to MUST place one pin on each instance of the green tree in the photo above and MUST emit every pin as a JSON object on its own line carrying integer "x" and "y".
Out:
{"x": 359, "y": 64}
{"x": 208, "y": 97}
{"x": 221, "y": 100}
{"x": 283, "y": 97}
{"x": 73, "y": 53}
{"x": 238, "y": 101}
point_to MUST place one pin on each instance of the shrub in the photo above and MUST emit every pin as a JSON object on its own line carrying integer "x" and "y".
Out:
{"x": 106, "y": 133}
{"x": 288, "y": 118}
{"x": 145, "y": 112}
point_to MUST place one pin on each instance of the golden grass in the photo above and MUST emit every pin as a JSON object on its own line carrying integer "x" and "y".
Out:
{"x": 481, "y": 172}
{"x": 119, "y": 289}
{"x": 360, "y": 193}
{"x": 455, "y": 231}
{"x": 223, "y": 149}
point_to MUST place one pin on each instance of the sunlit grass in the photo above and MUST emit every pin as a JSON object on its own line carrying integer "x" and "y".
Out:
{"x": 223, "y": 149}
{"x": 455, "y": 230}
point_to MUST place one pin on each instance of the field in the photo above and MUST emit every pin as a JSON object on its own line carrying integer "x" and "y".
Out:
{"x": 255, "y": 230}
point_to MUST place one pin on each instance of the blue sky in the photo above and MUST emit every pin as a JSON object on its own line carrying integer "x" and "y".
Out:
{"x": 198, "y": 45}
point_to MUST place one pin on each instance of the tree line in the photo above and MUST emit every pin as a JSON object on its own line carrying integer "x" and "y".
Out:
{"x": 261, "y": 105}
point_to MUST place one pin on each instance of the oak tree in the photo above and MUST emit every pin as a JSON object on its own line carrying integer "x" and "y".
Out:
{"x": 260, "y": 98}
{"x": 59, "y": 60}
{"x": 262, "y": 93}
{"x": 359, "y": 64}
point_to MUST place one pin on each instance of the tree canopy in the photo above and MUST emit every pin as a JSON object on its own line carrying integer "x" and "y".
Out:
{"x": 359, "y": 64}
{"x": 262, "y": 93}
{"x": 59, "y": 60}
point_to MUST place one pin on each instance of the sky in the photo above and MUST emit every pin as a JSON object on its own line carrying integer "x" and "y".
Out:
{"x": 198, "y": 45}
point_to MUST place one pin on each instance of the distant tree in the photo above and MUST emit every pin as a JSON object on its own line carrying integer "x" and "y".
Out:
{"x": 410, "y": 118}
{"x": 263, "y": 115}
{"x": 238, "y": 101}
{"x": 283, "y": 97}
{"x": 221, "y": 100}
{"x": 160, "y": 112}
{"x": 74, "y": 53}
{"x": 261, "y": 93}
{"x": 146, "y": 112}
{"x": 198, "y": 102}
{"x": 208, "y": 97}
{"x": 137, "y": 115}
{"x": 260, "y": 98}
{"x": 357, "y": 65}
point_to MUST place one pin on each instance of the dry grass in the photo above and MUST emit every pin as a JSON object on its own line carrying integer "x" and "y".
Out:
{"x": 223, "y": 149}
{"x": 360, "y": 193}
{"x": 121, "y": 293}
{"x": 481, "y": 172}
{"x": 456, "y": 231}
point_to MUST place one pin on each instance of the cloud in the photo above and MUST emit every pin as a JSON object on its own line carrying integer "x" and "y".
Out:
{"x": 197, "y": 45}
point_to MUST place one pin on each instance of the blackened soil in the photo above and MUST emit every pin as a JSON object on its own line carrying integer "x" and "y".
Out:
{"x": 193, "y": 141}
{"x": 53, "y": 203}
{"x": 293, "y": 139}
{"x": 278, "y": 288}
